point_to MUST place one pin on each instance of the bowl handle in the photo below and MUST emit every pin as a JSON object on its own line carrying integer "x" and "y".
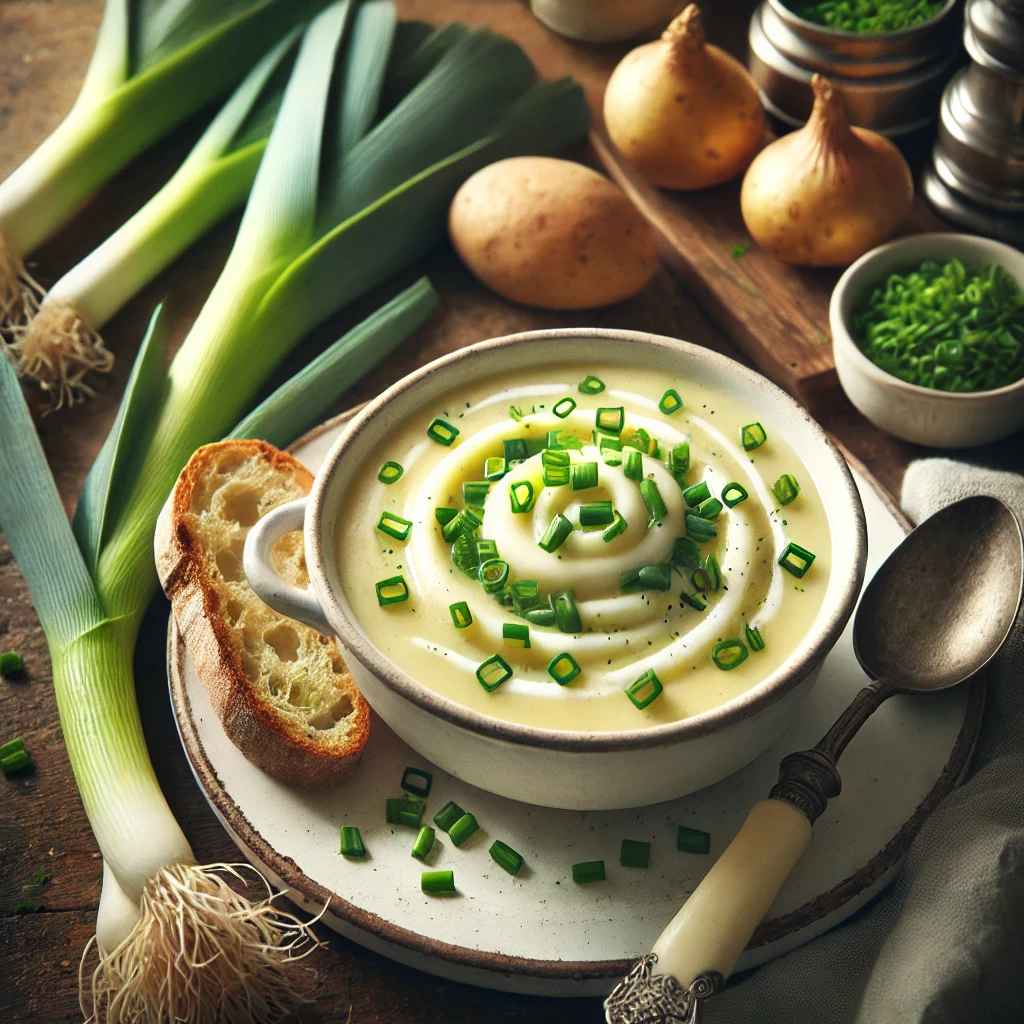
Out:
{"x": 259, "y": 569}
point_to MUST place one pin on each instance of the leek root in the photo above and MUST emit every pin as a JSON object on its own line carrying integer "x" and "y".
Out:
{"x": 19, "y": 291}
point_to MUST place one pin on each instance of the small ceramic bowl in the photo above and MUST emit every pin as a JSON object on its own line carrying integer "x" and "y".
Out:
{"x": 545, "y": 766}
{"x": 938, "y": 419}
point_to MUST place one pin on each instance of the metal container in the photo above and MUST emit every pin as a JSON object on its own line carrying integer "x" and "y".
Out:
{"x": 890, "y": 81}
{"x": 605, "y": 21}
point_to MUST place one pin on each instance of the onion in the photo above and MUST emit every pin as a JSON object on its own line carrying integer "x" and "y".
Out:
{"x": 824, "y": 195}
{"x": 683, "y": 112}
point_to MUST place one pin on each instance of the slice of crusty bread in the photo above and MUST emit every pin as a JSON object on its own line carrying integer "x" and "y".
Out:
{"x": 281, "y": 689}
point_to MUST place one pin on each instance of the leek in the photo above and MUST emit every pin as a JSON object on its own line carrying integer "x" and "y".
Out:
{"x": 156, "y": 63}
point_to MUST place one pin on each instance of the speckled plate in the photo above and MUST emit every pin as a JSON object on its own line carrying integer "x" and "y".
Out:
{"x": 539, "y": 932}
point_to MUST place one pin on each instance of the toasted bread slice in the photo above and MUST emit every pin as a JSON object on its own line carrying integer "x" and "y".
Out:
{"x": 281, "y": 689}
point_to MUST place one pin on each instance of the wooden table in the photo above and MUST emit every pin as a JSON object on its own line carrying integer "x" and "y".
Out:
{"x": 44, "y": 48}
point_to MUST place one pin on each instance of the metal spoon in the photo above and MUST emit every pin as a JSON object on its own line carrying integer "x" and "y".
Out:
{"x": 934, "y": 615}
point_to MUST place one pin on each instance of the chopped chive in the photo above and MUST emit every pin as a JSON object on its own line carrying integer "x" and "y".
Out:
{"x": 754, "y": 638}
{"x": 563, "y": 440}
{"x": 611, "y": 454}
{"x": 485, "y": 549}
{"x": 390, "y": 472}
{"x": 588, "y": 871}
{"x": 699, "y": 528}
{"x": 643, "y": 442}
{"x": 685, "y": 553}
{"x": 796, "y": 560}
{"x": 515, "y": 635}
{"x": 679, "y": 460}
{"x": 467, "y": 521}
{"x": 505, "y": 857}
{"x": 521, "y": 493}
{"x": 12, "y": 747}
{"x": 351, "y": 842}
{"x": 727, "y": 654}
{"x": 515, "y": 412}
{"x": 590, "y": 385}
{"x": 404, "y": 810}
{"x": 474, "y": 492}
{"x": 614, "y": 444}
{"x": 610, "y": 420}
{"x": 710, "y": 508}
{"x": 785, "y": 488}
{"x": 417, "y": 781}
{"x": 424, "y": 842}
{"x": 693, "y": 600}
{"x": 563, "y": 407}
{"x": 10, "y": 663}
{"x": 554, "y": 536}
{"x": 645, "y": 691}
{"x": 492, "y": 672}
{"x": 692, "y": 840}
{"x": 629, "y": 582}
{"x": 15, "y": 762}
{"x": 540, "y": 616}
{"x": 465, "y": 558}
{"x": 696, "y": 493}
{"x": 495, "y": 467}
{"x": 556, "y": 476}
{"x": 584, "y": 476}
{"x": 733, "y": 494}
{"x": 656, "y": 577}
{"x": 596, "y": 513}
{"x": 393, "y": 590}
{"x": 434, "y": 882}
{"x": 656, "y": 508}
{"x": 448, "y": 815}
{"x": 554, "y": 457}
{"x": 493, "y": 574}
{"x": 567, "y": 615}
{"x": 617, "y": 528}
{"x": 515, "y": 448}
{"x": 462, "y": 829}
{"x": 633, "y": 464}
{"x": 442, "y": 432}
{"x": 445, "y": 515}
{"x": 563, "y": 668}
{"x": 635, "y": 854}
{"x": 394, "y": 525}
{"x": 670, "y": 402}
{"x": 525, "y": 594}
{"x": 752, "y": 436}
{"x": 708, "y": 575}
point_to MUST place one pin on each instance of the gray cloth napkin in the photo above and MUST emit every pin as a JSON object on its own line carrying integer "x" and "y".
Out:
{"x": 945, "y": 945}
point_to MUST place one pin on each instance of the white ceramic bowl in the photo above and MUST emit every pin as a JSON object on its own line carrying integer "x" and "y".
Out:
{"x": 544, "y": 766}
{"x": 939, "y": 419}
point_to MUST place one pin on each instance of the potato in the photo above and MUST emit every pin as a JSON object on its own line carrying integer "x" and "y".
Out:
{"x": 551, "y": 233}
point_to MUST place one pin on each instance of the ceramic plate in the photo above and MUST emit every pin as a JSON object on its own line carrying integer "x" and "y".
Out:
{"x": 540, "y": 932}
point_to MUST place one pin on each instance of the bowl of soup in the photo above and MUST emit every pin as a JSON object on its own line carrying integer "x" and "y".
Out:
{"x": 581, "y": 568}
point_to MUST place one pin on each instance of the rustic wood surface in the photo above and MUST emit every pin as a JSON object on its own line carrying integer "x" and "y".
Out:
{"x": 44, "y": 48}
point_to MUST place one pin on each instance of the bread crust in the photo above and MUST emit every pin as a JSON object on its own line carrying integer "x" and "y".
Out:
{"x": 276, "y": 743}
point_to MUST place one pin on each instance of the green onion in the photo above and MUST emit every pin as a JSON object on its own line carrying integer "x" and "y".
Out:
{"x": 796, "y": 560}
{"x": 515, "y": 450}
{"x": 701, "y": 579}
{"x": 643, "y": 442}
{"x": 556, "y": 457}
{"x": 566, "y": 614}
{"x": 14, "y": 757}
{"x": 588, "y": 871}
{"x": 462, "y": 829}
{"x": 563, "y": 407}
{"x": 525, "y": 594}
{"x": 727, "y": 654}
{"x": 590, "y": 385}
{"x": 493, "y": 574}
{"x": 711, "y": 573}
{"x": 10, "y": 663}
{"x": 696, "y": 493}
{"x": 393, "y": 590}
{"x": 679, "y": 460}
{"x": 495, "y": 467}
{"x": 505, "y": 857}
{"x": 733, "y": 494}
{"x": 556, "y": 476}
{"x": 670, "y": 402}
{"x": 424, "y": 843}
{"x": 445, "y": 515}
{"x": 465, "y": 522}
{"x": 693, "y": 600}
{"x": 584, "y": 476}
{"x": 404, "y": 810}
{"x": 351, "y": 842}
{"x": 485, "y": 549}
{"x": 633, "y": 467}
{"x": 563, "y": 668}
{"x": 540, "y": 616}
{"x": 710, "y": 508}
{"x": 12, "y": 746}
{"x": 465, "y": 558}
{"x": 754, "y": 639}
{"x": 461, "y": 615}
{"x": 562, "y": 440}
{"x": 648, "y": 577}
{"x": 474, "y": 492}
{"x": 617, "y": 528}
{"x": 448, "y": 815}
{"x": 596, "y": 513}
{"x": 786, "y": 489}
{"x": 434, "y": 882}
{"x": 685, "y": 553}
{"x": 692, "y": 840}
{"x": 554, "y": 536}
{"x": 418, "y": 782}
{"x": 752, "y": 436}
{"x": 656, "y": 509}
{"x": 390, "y": 472}
{"x": 521, "y": 493}
{"x": 699, "y": 528}
{"x": 610, "y": 421}
{"x": 394, "y": 525}
{"x": 492, "y": 672}
{"x": 515, "y": 635}
{"x": 442, "y": 432}
{"x": 644, "y": 691}
{"x": 515, "y": 413}
{"x": 635, "y": 854}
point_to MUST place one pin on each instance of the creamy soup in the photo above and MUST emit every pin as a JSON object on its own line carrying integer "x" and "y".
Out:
{"x": 596, "y": 554}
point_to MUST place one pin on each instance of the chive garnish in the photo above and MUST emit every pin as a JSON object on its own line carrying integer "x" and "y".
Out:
{"x": 727, "y": 654}
{"x": 563, "y": 440}
{"x": 635, "y": 854}
{"x": 351, "y": 842}
{"x": 584, "y": 476}
{"x": 448, "y": 815}
{"x": 515, "y": 412}
{"x": 390, "y": 472}
{"x": 521, "y": 493}
{"x": 692, "y": 840}
{"x": 556, "y": 476}
{"x": 10, "y": 663}
{"x": 567, "y": 615}
{"x": 785, "y": 489}
{"x": 596, "y": 513}
{"x": 493, "y": 574}
{"x": 442, "y": 432}
{"x": 525, "y": 594}
{"x": 554, "y": 536}
{"x": 713, "y": 571}
{"x": 642, "y": 441}
{"x": 633, "y": 464}
{"x": 563, "y": 668}
{"x": 644, "y": 691}
{"x": 417, "y": 781}
{"x": 733, "y": 494}
{"x": 710, "y": 508}
{"x": 505, "y": 857}
{"x": 485, "y": 549}
{"x": 754, "y": 638}
{"x": 404, "y": 810}
{"x": 515, "y": 449}
{"x": 445, "y": 515}
{"x": 588, "y": 871}
{"x": 555, "y": 457}
{"x": 465, "y": 522}
{"x": 617, "y": 528}
{"x": 464, "y": 556}
{"x": 424, "y": 843}
{"x": 393, "y": 590}
{"x": 540, "y": 616}
{"x": 693, "y": 600}
{"x": 610, "y": 420}
{"x": 685, "y": 553}
{"x": 670, "y": 402}
{"x": 495, "y": 467}
{"x": 752, "y": 436}
{"x": 515, "y": 635}
{"x": 394, "y": 525}
{"x": 462, "y": 829}
{"x": 796, "y": 560}
{"x": 434, "y": 882}
{"x": 679, "y": 460}
{"x": 656, "y": 509}
{"x": 492, "y": 672}
{"x": 696, "y": 493}
{"x": 474, "y": 492}
{"x": 563, "y": 407}
{"x": 590, "y": 385}
{"x": 701, "y": 579}
{"x": 699, "y": 528}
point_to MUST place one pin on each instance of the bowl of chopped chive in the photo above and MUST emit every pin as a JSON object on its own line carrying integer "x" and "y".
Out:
{"x": 928, "y": 337}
